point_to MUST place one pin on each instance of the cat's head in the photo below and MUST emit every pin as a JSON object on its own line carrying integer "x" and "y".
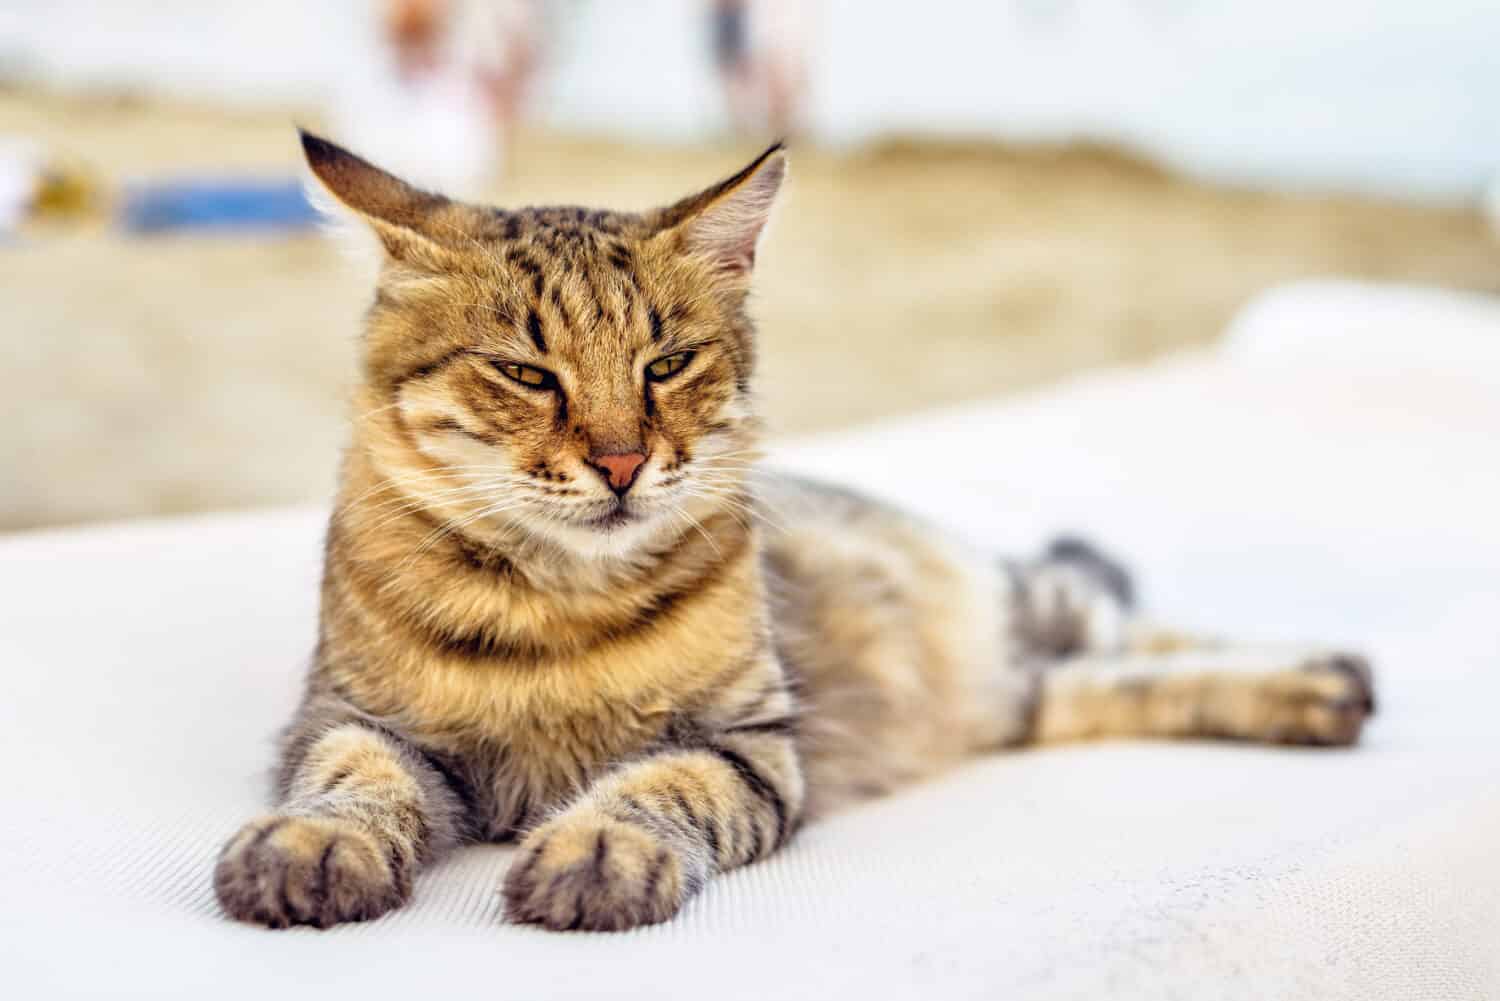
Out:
{"x": 579, "y": 375}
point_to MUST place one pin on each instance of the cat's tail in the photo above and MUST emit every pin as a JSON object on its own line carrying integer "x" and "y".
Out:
{"x": 1071, "y": 600}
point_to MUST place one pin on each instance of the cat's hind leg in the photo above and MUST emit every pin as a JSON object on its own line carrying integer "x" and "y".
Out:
{"x": 1101, "y": 672}
{"x": 360, "y": 811}
{"x": 1270, "y": 696}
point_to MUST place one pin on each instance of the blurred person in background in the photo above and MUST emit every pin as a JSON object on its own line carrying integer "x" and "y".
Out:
{"x": 760, "y": 48}
{"x": 444, "y": 88}
{"x": 496, "y": 39}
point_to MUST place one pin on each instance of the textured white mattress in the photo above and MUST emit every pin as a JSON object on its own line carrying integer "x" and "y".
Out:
{"x": 1333, "y": 472}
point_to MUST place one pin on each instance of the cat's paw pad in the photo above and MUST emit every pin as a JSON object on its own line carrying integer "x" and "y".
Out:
{"x": 1325, "y": 702}
{"x": 594, "y": 873}
{"x": 282, "y": 871}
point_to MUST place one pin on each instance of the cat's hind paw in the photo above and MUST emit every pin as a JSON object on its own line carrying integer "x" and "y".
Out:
{"x": 280, "y": 871}
{"x": 1324, "y": 703}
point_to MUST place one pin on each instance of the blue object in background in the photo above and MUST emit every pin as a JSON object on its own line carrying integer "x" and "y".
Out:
{"x": 226, "y": 205}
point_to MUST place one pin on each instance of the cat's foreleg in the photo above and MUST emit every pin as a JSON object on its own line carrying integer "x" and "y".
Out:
{"x": 361, "y": 811}
{"x": 1273, "y": 696}
{"x": 646, "y": 836}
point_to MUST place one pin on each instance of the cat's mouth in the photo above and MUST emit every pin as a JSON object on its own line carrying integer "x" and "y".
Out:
{"x": 620, "y": 514}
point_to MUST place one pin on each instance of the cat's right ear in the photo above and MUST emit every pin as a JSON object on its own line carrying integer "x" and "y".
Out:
{"x": 412, "y": 225}
{"x": 723, "y": 224}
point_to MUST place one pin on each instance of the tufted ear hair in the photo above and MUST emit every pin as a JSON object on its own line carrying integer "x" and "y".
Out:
{"x": 413, "y": 226}
{"x": 723, "y": 224}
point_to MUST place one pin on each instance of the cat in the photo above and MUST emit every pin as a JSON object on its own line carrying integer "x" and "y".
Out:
{"x": 563, "y": 605}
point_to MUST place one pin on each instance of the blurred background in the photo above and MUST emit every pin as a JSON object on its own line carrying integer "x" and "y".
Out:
{"x": 986, "y": 196}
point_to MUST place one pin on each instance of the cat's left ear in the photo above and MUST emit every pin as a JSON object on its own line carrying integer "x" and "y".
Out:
{"x": 415, "y": 227}
{"x": 723, "y": 224}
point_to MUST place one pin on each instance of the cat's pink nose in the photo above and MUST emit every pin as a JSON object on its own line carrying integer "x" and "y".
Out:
{"x": 618, "y": 470}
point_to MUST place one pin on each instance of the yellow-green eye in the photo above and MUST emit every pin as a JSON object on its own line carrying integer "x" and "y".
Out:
{"x": 665, "y": 368}
{"x": 527, "y": 376}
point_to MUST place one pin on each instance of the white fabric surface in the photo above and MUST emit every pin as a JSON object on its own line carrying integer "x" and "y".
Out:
{"x": 1330, "y": 473}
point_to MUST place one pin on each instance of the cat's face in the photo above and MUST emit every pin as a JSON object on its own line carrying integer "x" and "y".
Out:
{"x": 580, "y": 376}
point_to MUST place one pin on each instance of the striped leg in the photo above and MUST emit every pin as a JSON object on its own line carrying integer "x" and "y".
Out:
{"x": 645, "y": 837}
{"x": 1204, "y": 691}
{"x": 361, "y": 811}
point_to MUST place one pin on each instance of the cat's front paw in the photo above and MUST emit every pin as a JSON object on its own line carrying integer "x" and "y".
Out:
{"x": 1325, "y": 702}
{"x": 281, "y": 871}
{"x": 588, "y": 871}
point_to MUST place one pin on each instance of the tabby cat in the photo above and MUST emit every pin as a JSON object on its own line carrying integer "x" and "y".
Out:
{"x": 562, "y": 606}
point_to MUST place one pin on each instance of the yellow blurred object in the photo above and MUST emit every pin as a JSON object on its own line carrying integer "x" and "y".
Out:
{"x": 67, "y": 190}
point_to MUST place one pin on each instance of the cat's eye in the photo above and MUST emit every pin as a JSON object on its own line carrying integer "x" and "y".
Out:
{"x": 526, "y": 375}
{"x": 665, "y": 368}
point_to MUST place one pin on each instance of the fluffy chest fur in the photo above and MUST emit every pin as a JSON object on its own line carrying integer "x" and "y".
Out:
{"x": 529, "y": 683}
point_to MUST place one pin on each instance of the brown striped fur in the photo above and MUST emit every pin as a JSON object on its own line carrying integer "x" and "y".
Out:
{"x": 653, "y": 684}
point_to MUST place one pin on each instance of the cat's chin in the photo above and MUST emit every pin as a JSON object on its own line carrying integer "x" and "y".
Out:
{"x": 615, "y": 533}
